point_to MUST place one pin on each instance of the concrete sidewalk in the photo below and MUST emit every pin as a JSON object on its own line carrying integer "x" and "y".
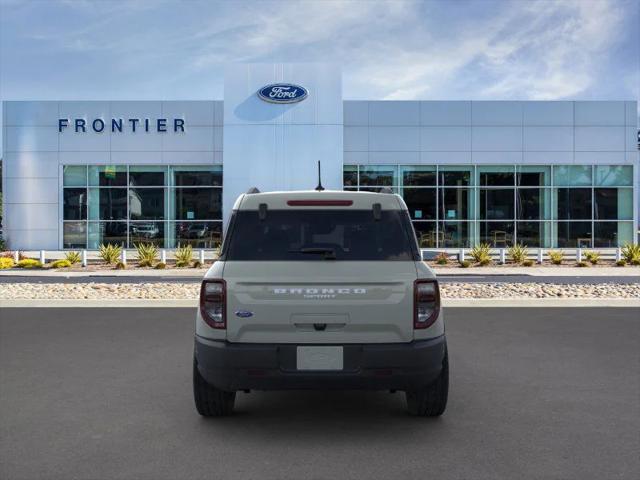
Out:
{"x": 628, "y": 271}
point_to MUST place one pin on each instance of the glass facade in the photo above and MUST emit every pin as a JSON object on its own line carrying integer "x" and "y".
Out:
{"x": 548, "y": 206}
{"x": 164, "y": 205}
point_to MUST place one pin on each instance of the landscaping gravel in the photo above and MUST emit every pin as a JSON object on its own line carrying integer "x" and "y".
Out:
{"x": 186, "y": 291}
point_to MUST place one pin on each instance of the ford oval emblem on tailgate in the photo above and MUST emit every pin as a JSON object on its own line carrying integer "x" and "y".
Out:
{"x": 244, "y": 314}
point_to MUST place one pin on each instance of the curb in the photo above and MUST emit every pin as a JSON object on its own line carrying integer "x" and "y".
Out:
{"x": 447, "y": 302}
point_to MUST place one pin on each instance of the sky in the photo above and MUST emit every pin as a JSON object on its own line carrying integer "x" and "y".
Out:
{"x": 454, "y": 49}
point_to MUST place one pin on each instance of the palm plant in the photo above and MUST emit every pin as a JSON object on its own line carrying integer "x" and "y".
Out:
{"x": 73, "y": 257}
{"x": 147, "y": 254}
{"x": 518, "y": 253}
{"x": 110, "y": 252}
{"x": 481, "y": 253}
{"x": 184, "y": 256}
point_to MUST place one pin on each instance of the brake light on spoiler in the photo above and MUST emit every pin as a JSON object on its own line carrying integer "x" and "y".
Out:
{"x": 320, "y": 203}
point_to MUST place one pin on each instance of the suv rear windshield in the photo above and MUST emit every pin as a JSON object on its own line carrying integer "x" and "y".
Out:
{"x": 320, "y": 235}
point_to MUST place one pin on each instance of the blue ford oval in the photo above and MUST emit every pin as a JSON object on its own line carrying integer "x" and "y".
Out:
{"x": 283, "y": 93}
{"x": 244, "y": 314}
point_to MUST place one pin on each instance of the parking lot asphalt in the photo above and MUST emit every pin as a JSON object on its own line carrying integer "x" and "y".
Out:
{"x": 550, "y": 393}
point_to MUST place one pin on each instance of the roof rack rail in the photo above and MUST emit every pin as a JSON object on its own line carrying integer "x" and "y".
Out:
{"x": 252, "y": 190}
{"x": 385, "y": 190}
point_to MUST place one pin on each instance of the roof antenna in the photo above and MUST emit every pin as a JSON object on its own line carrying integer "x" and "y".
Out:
{"x": 319, "y": 188}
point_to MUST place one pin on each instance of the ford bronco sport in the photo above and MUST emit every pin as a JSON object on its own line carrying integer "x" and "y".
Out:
{"x": 320, "y": 290}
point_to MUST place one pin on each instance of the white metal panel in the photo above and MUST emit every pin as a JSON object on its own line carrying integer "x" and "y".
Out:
{"x": 356, "y": 112}
{"x": 194, "y": 112}
{"x": 138, "y": 141}
{"x": 218, "y": 113}
{"x": 71, "y": 141}
{"x": 599, "y": 113}
{"x": 394, "y": 113}
{"x": 87, "y": 110}
{"x": 631, "y": 139}
{"x": 31, "y": 113}
{"x": 186, "y": 158}
{"x": 81, "y": 158}
{"x": 547, "y": 113}
{"x": 496, "y": 157}
{"x": 496, "y": 113}
{"x": 30, "y": 165}
{"x": 599, "y": 139}
{"x": 31, "y": 216}
{"x": 31, "y": 190}
{"x": 631, "y": 114}
{"x": 543, "y": 158}
{"x": 356, "y": 158}
{"x": 495, "y": 139}
{"x": 394, "y": 158}
{"x": 135, "y": 158}
{"x": 445, "y": 113}
{"x": 136, "y": 109}
{"x": 548, "y": 139}
{"x": 432, "y": 158}
{"x": 32, "y": 239}
{"x": 218, "y": 137}
{"x": 31, "y": 139}
{"x": 356, "y": 139}
{"x": 445, "y": 138}
{"x": 392, "y": 139}
{"x": 194, "y": 138}
{"x": 599, "y": 157}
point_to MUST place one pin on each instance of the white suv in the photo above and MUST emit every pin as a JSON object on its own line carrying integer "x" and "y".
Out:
{"x": 320, "y": 290}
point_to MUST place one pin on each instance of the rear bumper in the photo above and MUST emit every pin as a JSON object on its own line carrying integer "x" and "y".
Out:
{"x": 389, "y": 366}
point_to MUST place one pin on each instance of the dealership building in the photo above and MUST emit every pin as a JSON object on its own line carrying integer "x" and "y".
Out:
{"x": 543, "y": 173}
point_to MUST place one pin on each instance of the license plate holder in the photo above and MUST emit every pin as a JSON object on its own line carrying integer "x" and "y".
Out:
{"x": 320, "y": 358}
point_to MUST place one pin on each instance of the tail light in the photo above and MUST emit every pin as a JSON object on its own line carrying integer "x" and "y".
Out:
{"x": 213, "y": 300}
{"x": 426, "y": 303}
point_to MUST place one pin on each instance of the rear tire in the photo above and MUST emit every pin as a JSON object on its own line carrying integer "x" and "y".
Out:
{"x": 432, "y": 401}
{"x": 211, "y": 402}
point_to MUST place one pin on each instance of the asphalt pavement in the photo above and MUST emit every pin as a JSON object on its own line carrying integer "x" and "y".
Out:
{"x": 101, "y": 393}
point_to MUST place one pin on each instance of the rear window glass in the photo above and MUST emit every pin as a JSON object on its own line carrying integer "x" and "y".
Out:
{"x": 320, "y": 235}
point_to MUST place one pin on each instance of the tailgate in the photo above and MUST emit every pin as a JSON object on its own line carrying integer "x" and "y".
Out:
{"x": 320, "y": 302}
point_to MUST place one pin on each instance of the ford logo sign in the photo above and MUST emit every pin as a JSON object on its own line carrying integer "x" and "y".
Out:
{"x": 244, "y": 314}
{"x": 283, "y": 93}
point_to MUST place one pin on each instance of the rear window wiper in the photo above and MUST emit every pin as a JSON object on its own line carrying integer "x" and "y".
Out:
{"x": 329, "y": 253}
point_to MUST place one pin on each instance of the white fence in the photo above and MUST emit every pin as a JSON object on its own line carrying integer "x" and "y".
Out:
{"x": 126, "y": 255}
{"x": 539, "y": 255}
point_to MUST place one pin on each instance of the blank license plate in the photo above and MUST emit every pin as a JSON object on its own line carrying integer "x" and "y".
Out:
{"x": 320, "y": 358}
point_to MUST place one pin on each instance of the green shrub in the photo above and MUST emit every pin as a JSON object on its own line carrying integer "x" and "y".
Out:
{"x": 631, "y": 253}
{"x": 621, "y": 263}
{"x": 29, "y": 263}
{"x": 518, "y": 253}
{"x": 110, "y": 253}
{"x": 6, "y": 263}
{"x": 485, "y": 261}
{"x": 160, "y": 266}
{"x": 147, "y": 254}
{"x": 527, "y": 263}
{"x": 197, "y": 264}
{"x": 593, "y": 257}
{"x": 582, "y": 263}
{"x": 556, "y": 256}
{"x": 62, "y": 263}
{"x": 184, "y": 256}
{"x": 73, "y": 257}
{"x": 481, "y": 253}
{"x": 465, "y": 263}
{"x": 442, "y": 258}
{"x": 121, "y": 266}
